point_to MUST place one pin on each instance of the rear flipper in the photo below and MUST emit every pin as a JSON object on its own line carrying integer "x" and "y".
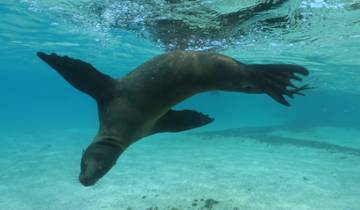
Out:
{"x": 176, "y": 121}
{"x": 275, "y": 80}
{"x": 81, "y": 75}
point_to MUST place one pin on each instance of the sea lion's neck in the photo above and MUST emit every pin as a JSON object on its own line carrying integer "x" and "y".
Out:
{"x": 114, "y": 140}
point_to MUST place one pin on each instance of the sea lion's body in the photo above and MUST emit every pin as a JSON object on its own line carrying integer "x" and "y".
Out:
{"x": 148, "y": 92}
{"x": 140, "y": 104}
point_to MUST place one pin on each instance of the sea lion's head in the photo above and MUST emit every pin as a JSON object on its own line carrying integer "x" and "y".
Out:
{"x": 97, "y": 160}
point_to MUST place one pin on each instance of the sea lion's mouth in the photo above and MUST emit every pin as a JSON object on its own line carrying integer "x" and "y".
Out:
{"x": 86, "y": 181}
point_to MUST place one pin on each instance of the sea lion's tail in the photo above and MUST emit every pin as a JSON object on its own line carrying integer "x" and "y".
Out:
{"x": 81, "y": 75}
{"x": 275, "y": 80}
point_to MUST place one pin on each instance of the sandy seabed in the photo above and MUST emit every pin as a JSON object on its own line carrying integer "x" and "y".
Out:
{"x": 269, "y": 169}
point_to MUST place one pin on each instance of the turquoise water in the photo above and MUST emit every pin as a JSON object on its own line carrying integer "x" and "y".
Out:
{"x": 257, "y": 154}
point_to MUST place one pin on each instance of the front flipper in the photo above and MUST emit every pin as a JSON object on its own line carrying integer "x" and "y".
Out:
{"x": 176, "y": 121}
{"x": 275, "y": 80}
{"x": 81, "y": 75}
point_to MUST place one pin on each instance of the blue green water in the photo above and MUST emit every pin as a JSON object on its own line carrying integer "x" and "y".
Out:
{"x": 257, "y": 154}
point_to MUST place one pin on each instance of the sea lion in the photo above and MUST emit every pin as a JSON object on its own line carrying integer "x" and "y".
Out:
{"x": 140, "y": 103}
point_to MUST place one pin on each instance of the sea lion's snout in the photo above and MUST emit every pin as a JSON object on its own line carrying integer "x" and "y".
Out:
{"x": 86, "y": 181}
{"x": 97, "y": 160}
{"x": 90, "y": 173}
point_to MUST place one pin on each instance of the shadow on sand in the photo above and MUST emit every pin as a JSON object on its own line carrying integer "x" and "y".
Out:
{"x": 264, "y": 134}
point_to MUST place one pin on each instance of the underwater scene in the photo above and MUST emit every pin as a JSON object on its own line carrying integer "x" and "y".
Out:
{"x": 201, "y": 124}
